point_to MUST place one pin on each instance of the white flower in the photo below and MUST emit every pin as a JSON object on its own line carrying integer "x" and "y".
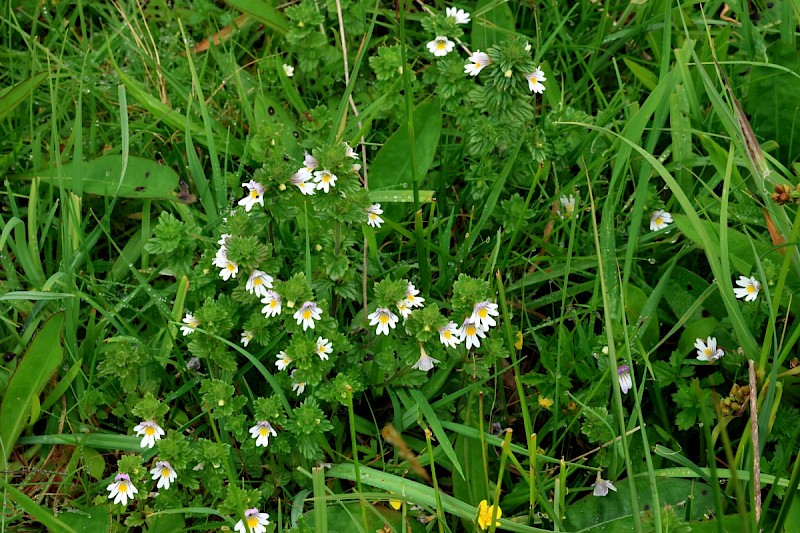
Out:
{"x": 425, "y": 361}
{"x": 324, "y": 347}
{"x": 470, "y": 331}
{"x": 660, "y": 219}
{"x": 261, "y": 432}
{"x": 283, "y": 360}
{"x": 372, "y": 215}
{"x": 273, "y": 304}
{"x": 411, "y": 296}
{"x": 461, "y": 16}
{"x": 247, "y": 336}
{"x": 150, "y": 433}
{"x": 191, "y": 323}
{"x": 708, "y": 351}
{"x": 601, "y": 486}
{"x": 164, "y": 473}
{"x": 349, "y": 152}
{"x": 441, "y": 46}
{"x": 289, "y": 70}
{"x": 535, "y": 80}
{"x": 223, "y": 239}
{"x": 302, "y": 179}
{"x": 403, "y": 308}
{"x": 482, "y": 314}
{"x": 307, "y": 314}
{"x": 749, "y": 288}
{"x": 325, "y": 179}
{"x": 258, "y": 283}
{"x": 254, "y": 196}
{"x": 625, "y": 380}
{"x": 384, "y": 318}
{"x": 255, "y": 522}
{"x": 479, "y": 60}
{"x": 122, "y": 489}
{"x": 228, "y": 269}
{"x": 298, "y": 387}
{"x": 448, "y": 335}
{"x": 310, "y": 163}
{"x": 567, "y": 206}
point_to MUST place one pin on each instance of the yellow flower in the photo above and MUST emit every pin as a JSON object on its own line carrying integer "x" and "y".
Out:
{"x": 545, "y": 403}
{"x": 396, "y": 504}
{"x": 485, "y": 514}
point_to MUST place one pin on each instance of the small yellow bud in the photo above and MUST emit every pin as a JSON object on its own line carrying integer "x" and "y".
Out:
{"x": 508, "y": 73}
{"x": 318, "y": 247}
{"x": 290, "y": 304}
{"x": 220, "y": 403}
{"x": 282, "y": 187}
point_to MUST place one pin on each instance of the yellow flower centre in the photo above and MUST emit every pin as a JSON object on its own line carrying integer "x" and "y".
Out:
{"x": 263, "y": 431}
{"x": 150, "y": 431}
{"x": 254, "y": 194}
{"x": 570, "y": 208}
{"x": 751, "y": 289}
{"x": 273, "y": 303}
{"x": 707, "y": 351}
{"x": 441, "y": 45}
{"x": 659, "y": 221}
{"x": 306, "y": 314}
{"x": 231, "y": 267}
{"x": 252, "y": 522}
{"x": 165, "y": 472}
{"x": 321, "y": 349}
{"x": 373, "y": 216}
{"x": 410, "y": 297}
{"x": 446, "y": 334}
{"x": 471, "y": 330}
{"x": 257, "y": 281}
{"x": 482, "y": 312}
{"x": 326, "y": 178}
{"x": 123, "y": 487}
{"x": 384, "y": 319}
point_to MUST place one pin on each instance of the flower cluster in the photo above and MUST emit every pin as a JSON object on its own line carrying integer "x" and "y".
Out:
{"x": 442, "y": 26}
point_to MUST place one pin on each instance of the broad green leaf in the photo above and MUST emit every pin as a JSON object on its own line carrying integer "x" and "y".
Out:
{"x": 438, "y": 430}
{"x": 612, "y": 513}
{"x": 635, "y": 300}
{"x": 391, "y": 168}
{"x": 492, "y": 25}
{"x": 94, "y": 462}
{"x": 347, "y": 517}
{"x": 12, "y": 97}
{"x": 144, "y": 178}
{"x": 405, "y": 196}
{"x": 40, "y": 514}
{"x": 34, "y": 295}
{"x": 40, "y": 360}
{"x": 95, "y": 519}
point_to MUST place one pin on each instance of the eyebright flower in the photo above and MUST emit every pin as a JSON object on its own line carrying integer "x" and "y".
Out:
{"x": 261, "y": 432}
{"x": 461, "y": 16}
{"x": 403, "y": 308}
{"x": 372, "y": 215}
{"x": 349, "y": 152}
{"x": 325, "y": 179}
{"x": 324, "y": 347}
{"x": 150, "y": 433}
{"x": 229, "y": 269}
{"x": 302, "y": 180}
{"x": 384, "y": 319}
{"x": 567, "y": 206}
{"x": 298, "y": 387}
{"x": 254, "y": 196}
{"x": 164, "y": 473}
{"x": 488, "y": 514}
{"x": 425, "y": 361}
{"x": 191, "y": 323}
{"x": 412, "y": 298}
{"x": 601, "y": 486}
{"x": 625, "y": 380}
{"x": 441, "y": 46}
{"x": 122, "y": 489}
{"x": 470, "y": 331}
{"x": 223, "y": 239}
{"x": 660, "y": 219}
{"x": 258, "y": 283}
{"x": 254, "y": 522}
{"x": 289, "y": 70}
{"x": 535, "y": 80}
{"x": 283, "y": 360}
{"x": 273, "y": 304}
{"x": 483, "y": 312}
{"x": 247, "y": 336}
{"x": 310, "y": 164}
{"x": 307, "y": 314}
{"x": 479, "y": 60}
{"x": 448, "y": 335}
{"x": 708, "y": 351}
{"x": 749, "y": 288}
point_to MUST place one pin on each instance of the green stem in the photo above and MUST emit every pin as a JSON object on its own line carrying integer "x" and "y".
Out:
{"x": 356, "y": 466}
{"x": 439, "y": 516}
